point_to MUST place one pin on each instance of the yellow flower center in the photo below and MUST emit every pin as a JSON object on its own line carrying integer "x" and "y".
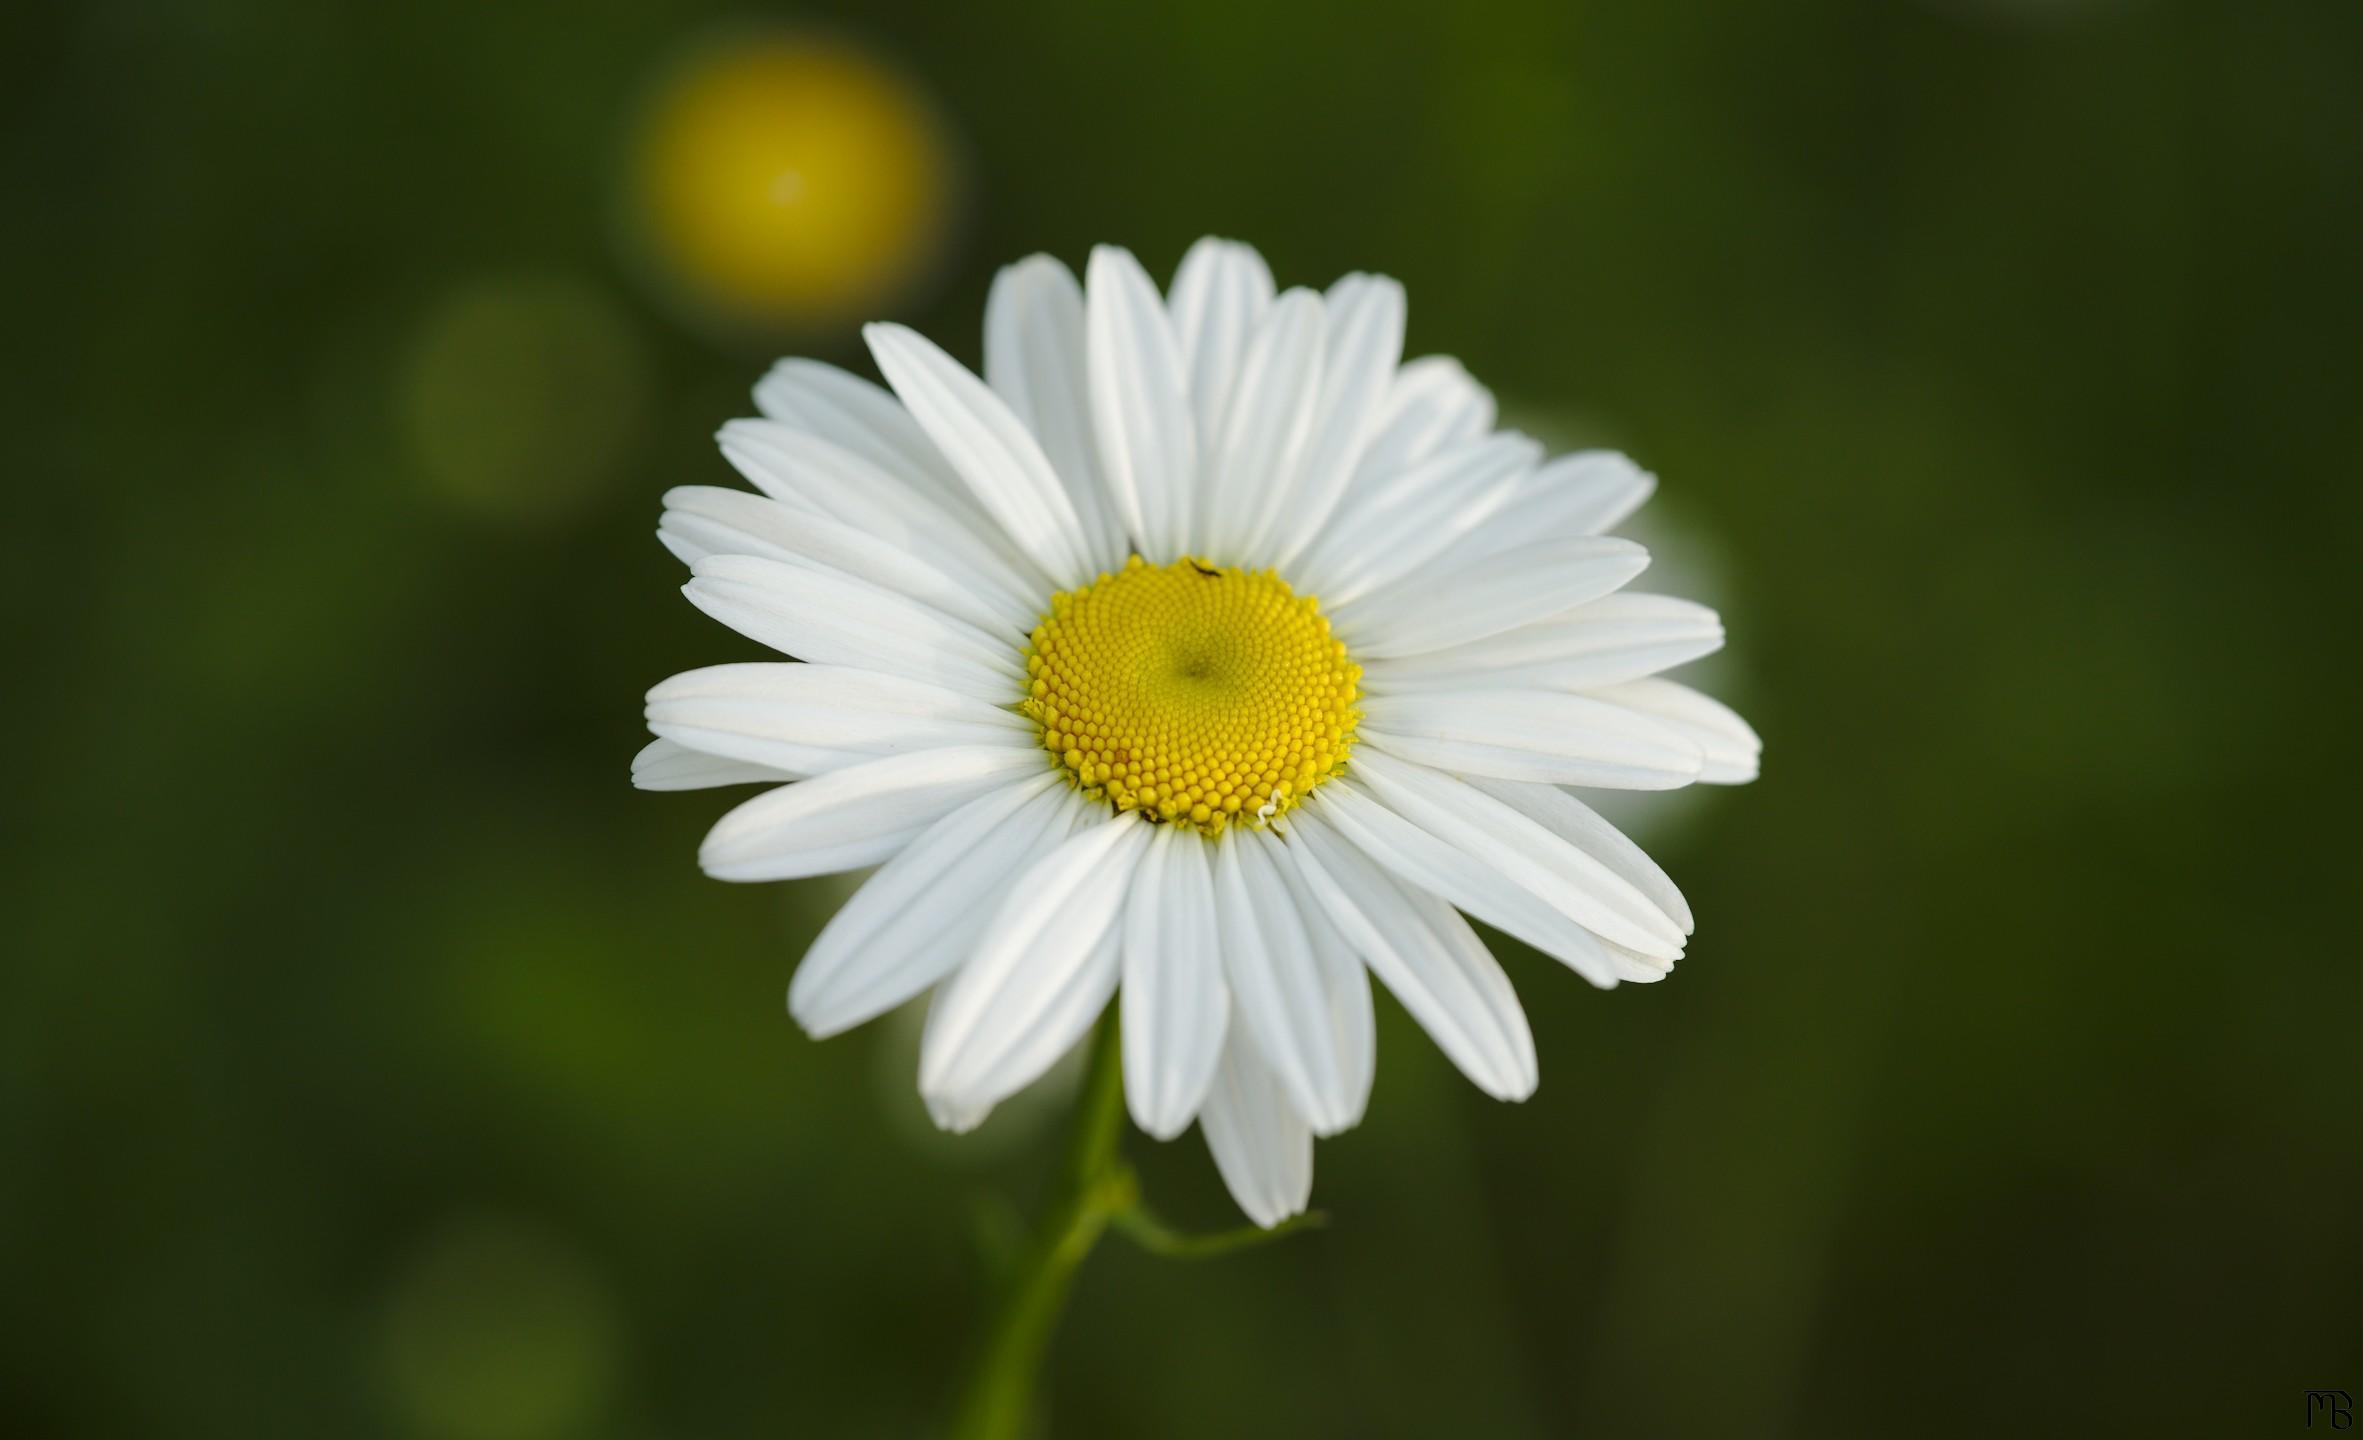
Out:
{"x": 1192, "y": 693}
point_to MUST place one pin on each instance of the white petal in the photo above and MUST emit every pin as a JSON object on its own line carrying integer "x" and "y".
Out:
{"x": 1636, "y": 968}
{"x": 1345, "y": 985}
{"x": 1035, "y": 359}
{"x": 1416, "y": 516}
{"x": 1570, "y": 878}
{"x": 831, "y": 618}
{"x": 1614, "y": 638}
{"x": 990, "y": 447}
{"x": 853, "y": 414}
{"x": 1148, "y": 436}
{"x": 951, "y": 1116}
{"x": 814, "y": 718}
{"x": 1432, "y": 405}
{"x": 1043, "y": 970}
{"x": 915, "y": 920}
{"x": 1562, "y": 502}
{"x": 808, "y": 473}
{"x": 1261, "y": 435}
{"x": 1437, "y": 609}
{"x": 1276, "y": 980}
{"x": 702, "y": 520}
{"x": 1583, "y": 827}
{"x": 1028, "y": 1029}
{"x": 1424, "y": 862}
{"x": 1259, "y": 1143}
{"x": 1731, "y": 748}
{"x": 1358, "y": 366}
{"x": 1219, "y": 297}
{"x": 668, "y": 765}
{"x": 856, "y": 816}
{"x": 1541, "y": 735}
{"x": 1590, "y": 491}
{"x": 1176, "y": 1006}
{"x": 1424, "y": 952}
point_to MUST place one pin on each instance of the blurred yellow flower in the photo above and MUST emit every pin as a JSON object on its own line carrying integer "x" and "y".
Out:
{"x": 791, "y": 181}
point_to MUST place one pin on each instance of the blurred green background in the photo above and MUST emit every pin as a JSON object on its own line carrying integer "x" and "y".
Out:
{"x": 375, "y": 1062}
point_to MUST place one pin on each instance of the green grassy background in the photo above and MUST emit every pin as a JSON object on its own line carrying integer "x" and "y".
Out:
{"x": 375, "y": 1062}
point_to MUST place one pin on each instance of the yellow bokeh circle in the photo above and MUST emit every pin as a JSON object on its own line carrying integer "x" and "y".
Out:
{"x": 791, "y": 181}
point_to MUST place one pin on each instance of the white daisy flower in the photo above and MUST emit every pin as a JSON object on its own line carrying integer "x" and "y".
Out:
{"x": 1205, "y": 656}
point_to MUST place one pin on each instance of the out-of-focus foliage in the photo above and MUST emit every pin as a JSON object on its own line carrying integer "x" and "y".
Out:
{"x": 373, "y": 1061}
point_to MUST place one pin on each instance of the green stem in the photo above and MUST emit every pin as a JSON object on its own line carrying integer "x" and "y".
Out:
{"x": 1093, "y": 1186}
{"x": 1141, "y": 1225}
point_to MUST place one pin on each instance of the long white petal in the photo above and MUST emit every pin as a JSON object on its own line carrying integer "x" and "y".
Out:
{"x": 1365, "y": 344}
{"x": 1219, "y": 297}
{"x": 1635, "y": 968}
{"x": 1443, "y": 609}
{"x": 850, "y": 412}
{"x": 1541, "y": 735}
{"x": 815, "y": 475}
{"x": 1140, "y": 402}
{"x": 1587, "y": 830}
{"x": 1258, "y": 443}
{"x": 1176, "y": 1006}
{"x": 1386, "y": 533}
{"x": 1617, "y": 637}
{"x": 1345, "y": 985}
{"x": 1276, "y": 981}
{"x": 1035, "y": 359}
{"x": 1259, "y": 1143}
{"x": 669, "y": 765}
{"x": 1571, "y": 878}
{"x": 949, "y": 1115}
{"x": 828, "y": 617}
{"x": 702, "y": 520}
{"x": 917, "y": 919}
{"x": 1047, "y": 962}
{"x": 1424, "y": 862}
{"x": 1431, "y": 406}
{"x": 814, "y": 718}
{"x": 1424, "y": 952}
{"x": 1565, "y": 501}
{"x": 1028, "y": 1029}
{"x": 990, "y": 447}
{"x": 1732, "y": 750}
{"x": 856, "y": 816}
{"x": 1590, "y": 491}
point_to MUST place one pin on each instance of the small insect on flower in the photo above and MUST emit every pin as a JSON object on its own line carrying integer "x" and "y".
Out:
{"x": 1203, "y": 654}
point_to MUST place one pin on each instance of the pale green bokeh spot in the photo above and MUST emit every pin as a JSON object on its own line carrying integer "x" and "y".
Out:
{"x": 498, "y": 1332}
{"x": 523, "y": 397}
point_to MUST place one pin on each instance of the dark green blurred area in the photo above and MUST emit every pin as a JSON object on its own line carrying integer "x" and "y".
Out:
{"x": 375, "y": 1062}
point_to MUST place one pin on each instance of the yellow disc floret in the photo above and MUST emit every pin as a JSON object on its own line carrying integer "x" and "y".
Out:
{"x": 1192, "y": 693}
